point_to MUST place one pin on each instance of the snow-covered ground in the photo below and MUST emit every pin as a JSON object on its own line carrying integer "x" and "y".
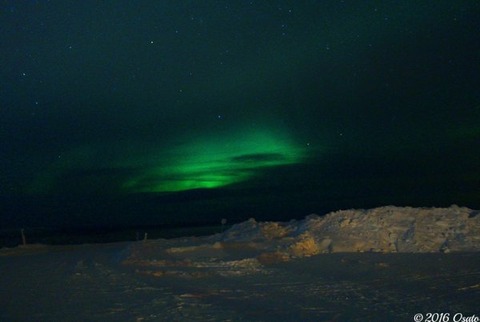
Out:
{"x": 257, "y": 272}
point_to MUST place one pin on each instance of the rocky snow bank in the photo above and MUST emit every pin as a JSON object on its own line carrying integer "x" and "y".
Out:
{"x": 247, "y": 248}
{"x": 385, "y": 229}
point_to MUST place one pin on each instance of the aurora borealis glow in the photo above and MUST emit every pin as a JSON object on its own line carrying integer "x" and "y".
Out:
{"x": 117, "y": 112}
{"x": 217, "y": 161}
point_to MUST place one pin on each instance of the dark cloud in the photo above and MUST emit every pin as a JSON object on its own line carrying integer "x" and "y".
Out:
{"x": 91, "y": 181}
{"x": 259, "y": 158}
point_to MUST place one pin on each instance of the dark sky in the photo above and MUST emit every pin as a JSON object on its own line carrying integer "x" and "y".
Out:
{"x": 147, "y": 112}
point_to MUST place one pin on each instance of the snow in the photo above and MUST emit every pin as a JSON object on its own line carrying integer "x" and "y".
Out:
{"x": 293, "y": 271}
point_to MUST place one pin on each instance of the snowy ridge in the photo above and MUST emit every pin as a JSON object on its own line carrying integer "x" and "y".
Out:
{"x": 385, "y": 229}
{"x": 249, "y": 247}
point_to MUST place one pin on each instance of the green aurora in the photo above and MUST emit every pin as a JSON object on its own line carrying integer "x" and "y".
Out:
{"x": 217, "y": 161}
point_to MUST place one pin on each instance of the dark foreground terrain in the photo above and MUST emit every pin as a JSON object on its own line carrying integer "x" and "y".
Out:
{"x": 159, "y": 281}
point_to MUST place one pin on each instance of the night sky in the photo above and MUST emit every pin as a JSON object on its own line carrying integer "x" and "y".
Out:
{"x": 151, "y": 112}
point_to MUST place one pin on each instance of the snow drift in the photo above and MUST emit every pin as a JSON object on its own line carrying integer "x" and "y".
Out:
{"x": 247, "y": 247}
{"x": 385, "y": 229}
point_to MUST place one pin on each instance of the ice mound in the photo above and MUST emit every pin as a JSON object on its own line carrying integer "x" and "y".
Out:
{"x": 395, "y": 229}
{"x": 384, "y": 229}
{"x": 246, "y": 248}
